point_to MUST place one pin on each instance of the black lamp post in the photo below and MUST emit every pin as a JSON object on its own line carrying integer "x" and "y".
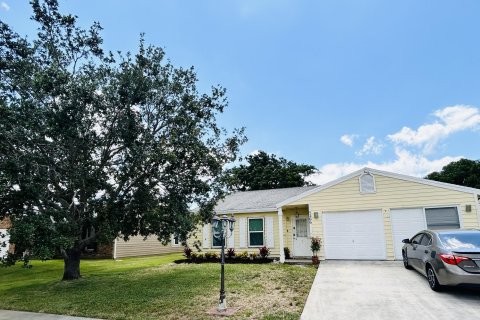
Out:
{"x": 221, "y": 226}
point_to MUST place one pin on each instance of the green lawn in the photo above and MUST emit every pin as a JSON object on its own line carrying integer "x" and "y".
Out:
{"x": 155, "y": 288}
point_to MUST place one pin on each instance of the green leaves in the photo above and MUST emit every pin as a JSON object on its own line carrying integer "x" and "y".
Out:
{"x": 463, "y": 172}
{"x": 92, "y": 147}
{"x": 266, "y": 171}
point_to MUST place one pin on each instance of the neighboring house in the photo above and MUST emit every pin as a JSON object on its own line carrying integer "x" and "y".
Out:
{"x": 4, "y": 225}
{"x": 363, "y": 215}
{"x": 136, "y": 246}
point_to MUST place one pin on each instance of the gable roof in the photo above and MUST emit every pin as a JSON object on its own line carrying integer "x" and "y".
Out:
{"x": 380, "y": 173}
{"x": 258, "y": 200}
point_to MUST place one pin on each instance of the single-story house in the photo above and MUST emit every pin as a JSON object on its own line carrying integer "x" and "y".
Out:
{"x": 136, "y": 246}
{"x": 4, "y": 225}
{"x": 363, "y": 215}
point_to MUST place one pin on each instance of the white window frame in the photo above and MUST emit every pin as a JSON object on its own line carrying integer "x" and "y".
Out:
{"x": 459, "y": 213}
{"x": 365, "y": 173}
{"x": 263, "y": 232}
{"x": 175, "y": 243}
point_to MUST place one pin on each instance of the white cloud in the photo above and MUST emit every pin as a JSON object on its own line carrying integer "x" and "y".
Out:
{"x": 348, "y": 139}
{"x": 254, "y": 152}
{"x": 449, "y": 120}
{"x": 4, "y": 6}
{"x": 405, "y": 163}
{"x": 371, "y": 147}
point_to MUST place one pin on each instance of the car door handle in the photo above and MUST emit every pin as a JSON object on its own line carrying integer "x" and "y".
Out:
{"x": 426, "y": 251}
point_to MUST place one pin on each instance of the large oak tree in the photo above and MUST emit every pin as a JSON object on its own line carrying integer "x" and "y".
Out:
{"x": 266, "y": 171}
{"x": 94, "y": 144}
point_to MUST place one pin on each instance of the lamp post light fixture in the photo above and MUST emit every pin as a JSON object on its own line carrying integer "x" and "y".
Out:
{"x": 221, "y": 227}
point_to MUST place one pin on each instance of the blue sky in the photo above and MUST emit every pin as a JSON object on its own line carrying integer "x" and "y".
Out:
{"x": 338, "y": 84}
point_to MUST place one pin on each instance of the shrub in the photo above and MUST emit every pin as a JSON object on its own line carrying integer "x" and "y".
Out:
{"x": 200, "y": 256}
{"x": 264, "y": 252}
{"x": 210, "y": 255}
{"x": 193, "y": 256}
{"x": 231, "y": 253}
{"x": 187, "y": 252}
{"x": 253, "y": 256}
{"x": 243, "y": 255}
{"x": 315, "y": 245}
{"x": 286, "y": 251}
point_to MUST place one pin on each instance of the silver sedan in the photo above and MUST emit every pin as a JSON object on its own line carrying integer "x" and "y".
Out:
{"x": 445, "y": 257}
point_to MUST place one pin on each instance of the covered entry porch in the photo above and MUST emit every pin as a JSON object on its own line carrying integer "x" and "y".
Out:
{"x": 295, "y": 231}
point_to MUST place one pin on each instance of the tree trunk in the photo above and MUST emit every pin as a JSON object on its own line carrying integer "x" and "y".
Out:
{"x": 71, "y": 269}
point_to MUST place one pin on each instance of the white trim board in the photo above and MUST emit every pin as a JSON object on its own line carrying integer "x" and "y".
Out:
{"x": 380, "y": 173}
{"x": 274, "y": 209}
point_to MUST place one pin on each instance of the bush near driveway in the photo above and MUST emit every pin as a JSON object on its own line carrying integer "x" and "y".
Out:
{"x": 157, "y": 288}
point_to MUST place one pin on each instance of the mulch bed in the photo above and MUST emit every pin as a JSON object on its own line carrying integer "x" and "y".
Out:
{"x": 227, "y": 261}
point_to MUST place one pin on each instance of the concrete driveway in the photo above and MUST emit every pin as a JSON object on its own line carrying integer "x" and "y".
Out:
{"x": 383, "y": 290}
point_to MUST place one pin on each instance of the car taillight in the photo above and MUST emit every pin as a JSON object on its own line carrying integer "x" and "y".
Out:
{"x": 452, "y": 259}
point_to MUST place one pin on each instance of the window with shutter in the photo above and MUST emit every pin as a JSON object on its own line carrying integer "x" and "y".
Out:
{"x": 255, "y": 232}
{"x": 442, "y": 218}
{"x": 367, "y": 183}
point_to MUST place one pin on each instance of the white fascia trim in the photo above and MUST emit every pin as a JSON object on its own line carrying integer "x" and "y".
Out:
{"x": 425, "y": 181}
{"x": 274, "y": 209}
{"x": 381, "y": 173}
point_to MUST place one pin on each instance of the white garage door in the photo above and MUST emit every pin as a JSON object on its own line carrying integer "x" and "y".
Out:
{"x": 356, "y": 235}
{"x": 405, "y": 224}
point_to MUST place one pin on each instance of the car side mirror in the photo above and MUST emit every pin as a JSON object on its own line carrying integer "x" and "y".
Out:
{"x": 406, "y": 240}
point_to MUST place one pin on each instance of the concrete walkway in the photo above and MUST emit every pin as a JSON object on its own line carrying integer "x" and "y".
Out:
{"x": 382, "y": 290}
{"x": 20, "y": 315}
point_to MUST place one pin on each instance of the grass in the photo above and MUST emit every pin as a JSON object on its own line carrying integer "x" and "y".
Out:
{"x": 155, "y": 288}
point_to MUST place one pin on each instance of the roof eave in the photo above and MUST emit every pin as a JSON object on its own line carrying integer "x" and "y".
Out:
{"x": 251, "y": 210}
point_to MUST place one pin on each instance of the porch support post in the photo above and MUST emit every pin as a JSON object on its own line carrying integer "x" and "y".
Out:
{"x": 280, "y": 234}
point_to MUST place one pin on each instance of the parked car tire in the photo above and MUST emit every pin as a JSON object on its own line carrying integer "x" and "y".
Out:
{"x": 432, "y": 280}
{"x": 405, "y": 261}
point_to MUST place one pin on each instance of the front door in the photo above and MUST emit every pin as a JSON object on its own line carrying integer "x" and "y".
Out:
{"x": 301, "y": 237}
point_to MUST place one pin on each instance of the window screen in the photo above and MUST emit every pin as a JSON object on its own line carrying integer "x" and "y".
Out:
{"x": 216, "y": 236}
{"x": 442, "y": 218}
{"x": 367, "y": 183}
{"x": 255, "y": 232}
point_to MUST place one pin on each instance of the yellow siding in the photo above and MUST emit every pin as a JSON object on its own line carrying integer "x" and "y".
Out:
{"x": 390, "y": 194}
{"x": 274, "y": 252}
{"x": 136, "y": 246}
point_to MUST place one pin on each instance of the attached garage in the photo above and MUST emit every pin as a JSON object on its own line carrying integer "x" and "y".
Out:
{"x": 357, "y": 235}
{"x": 365, "y": 215}
{"x": 407, "y": 222}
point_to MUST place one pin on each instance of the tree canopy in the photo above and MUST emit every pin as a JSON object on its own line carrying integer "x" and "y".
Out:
{"x": 266, "y": 171}
{"x": 95, "y": 144}
{"x": 463, "y": 172}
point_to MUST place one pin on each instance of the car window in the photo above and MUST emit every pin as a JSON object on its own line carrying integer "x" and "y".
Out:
{"x": 426, "y": 240}
{"x": 463, "y": 240}
{"x": 417, "y": 238}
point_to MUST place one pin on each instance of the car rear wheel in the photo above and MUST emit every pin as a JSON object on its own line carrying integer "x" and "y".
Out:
{"x": 432, "y": 280}
{"x": 405, "y": 261}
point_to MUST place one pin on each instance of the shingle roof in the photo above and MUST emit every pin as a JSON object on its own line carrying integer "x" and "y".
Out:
{"x": 258, "y": 200}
